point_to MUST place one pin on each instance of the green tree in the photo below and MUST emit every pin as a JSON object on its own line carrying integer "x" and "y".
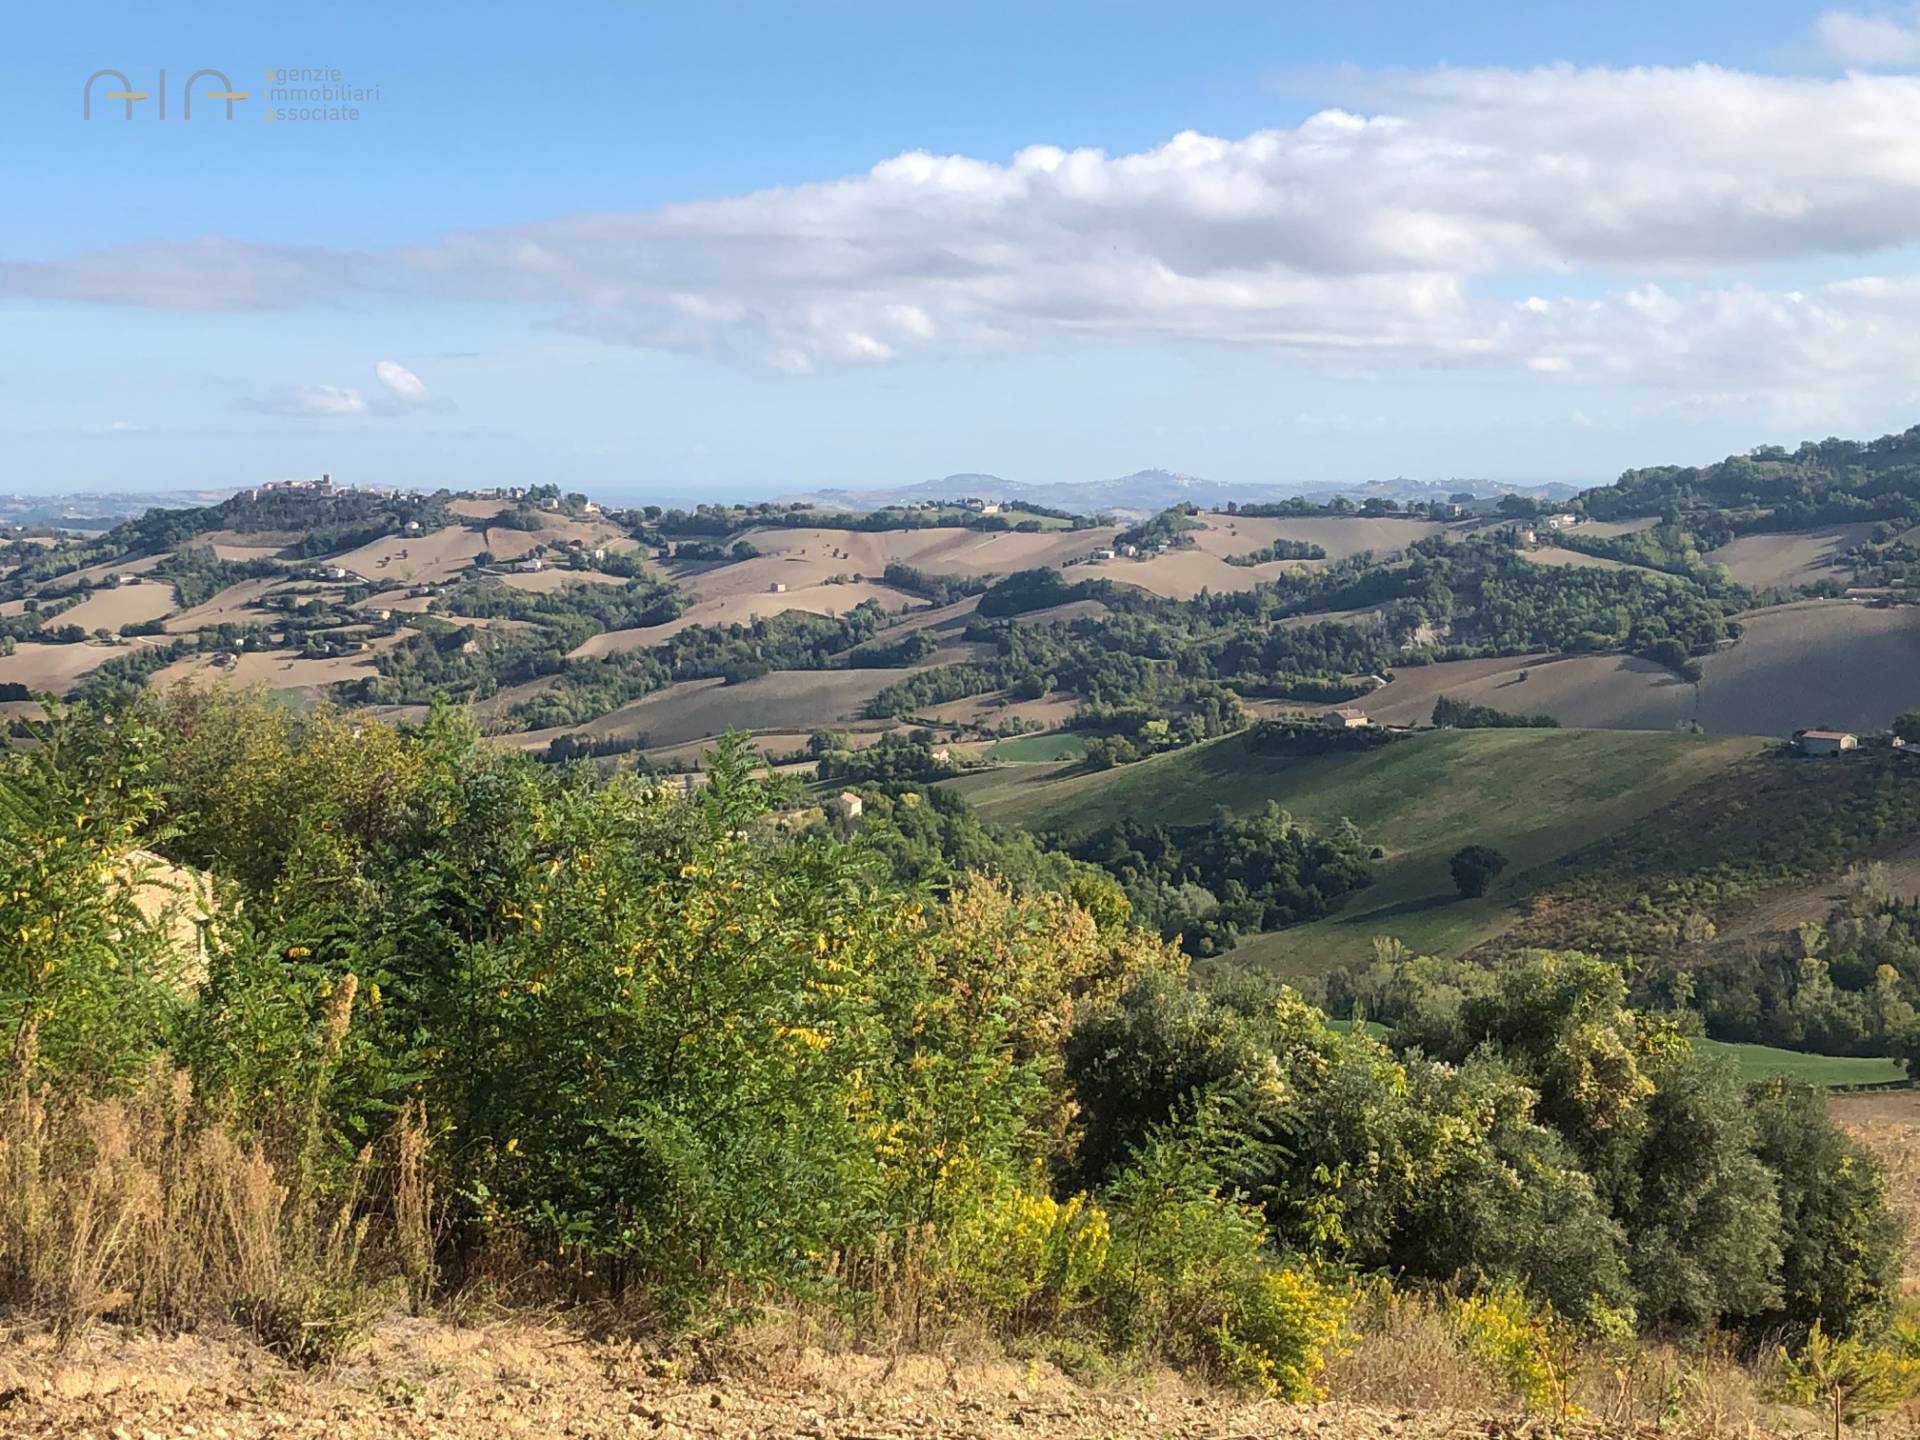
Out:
{"x": 1475, "y": 867}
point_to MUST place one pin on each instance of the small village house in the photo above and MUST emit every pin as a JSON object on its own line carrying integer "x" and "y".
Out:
{"x": 1826, "y": 742}
{"x": 1345, "y": 719}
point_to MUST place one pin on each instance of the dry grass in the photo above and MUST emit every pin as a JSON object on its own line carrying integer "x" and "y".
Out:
{"x": 57, "y": 668}
{"x": 113, "y": 607}
{"x": 1797, "y": 557}
{"x": 744, "y": 609}
{"x": 143, "y": 1210}
{"x": 1888, "y": 1123}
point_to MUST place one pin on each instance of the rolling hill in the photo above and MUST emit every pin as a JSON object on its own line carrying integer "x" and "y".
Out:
{"x": 1537, "y": 795}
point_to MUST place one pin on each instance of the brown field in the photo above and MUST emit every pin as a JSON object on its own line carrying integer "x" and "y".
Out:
{"x": 558, "y": 529}
{"x": 1888, "y": 1123}
{"x": 1796, "y": 557}
{"x": 276, "y": 669}
{"x": 121, "y": 605}
{"x": 1828, "y": 662}
{"x": 1183, "y": 574}
{"x": 1614, "y": 529}
{"x": 415, "y": 559}
{"x": 810, "y": 556}
{"x": 242, "y": 553}
{"x": 57, "y": 668}
{"x": 236, "y": 603}
{"x": 398, "y": 601}
{"x": 505, "y": 544}
{"x": 1367, "y": 616}
{"x": 744, "y": 609}
{"x": 478, "y": 509}
{"x": 785, "y": 701}
{"x": 1053, "y": 710}
{"x": 1339, "y": 536}
{"x": 771, "y": 742}
{"x": 273, "y": 541}
{"x": 1553, "y": 555}
{"x": 1825, "y": 662}
{"x": 100, "y": 574}
{"x": 545, "y": 582}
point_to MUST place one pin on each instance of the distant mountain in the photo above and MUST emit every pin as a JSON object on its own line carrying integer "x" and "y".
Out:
{"x": 1145, "y": 491}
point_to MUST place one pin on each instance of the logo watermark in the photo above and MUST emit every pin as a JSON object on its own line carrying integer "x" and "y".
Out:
{"x": 297, "y": 94}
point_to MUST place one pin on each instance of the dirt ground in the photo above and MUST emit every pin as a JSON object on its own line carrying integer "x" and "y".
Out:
{"x": 420, "y": 1379}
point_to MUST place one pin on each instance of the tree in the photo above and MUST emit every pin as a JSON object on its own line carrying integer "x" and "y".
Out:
{"x": 1907, "y": 726}
{"x": 1474, "y": 869}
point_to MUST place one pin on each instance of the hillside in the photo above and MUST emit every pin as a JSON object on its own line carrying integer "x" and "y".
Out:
{"x": 1537, "y": 795}
{"x": 1762, "y": 595}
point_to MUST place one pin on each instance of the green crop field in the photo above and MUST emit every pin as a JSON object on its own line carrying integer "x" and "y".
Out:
{"x": 1759, "y": 1062}
{"x": 1030, "y": 749}
{"x": 1763, "y": 1062}
{"x": 1536, "y": 795}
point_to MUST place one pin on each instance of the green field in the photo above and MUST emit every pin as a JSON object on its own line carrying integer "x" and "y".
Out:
{"x": 1030, "y": 749}
{"x": 1759, "y": 1062}
{"x": 1534, "y": 794}
{"x": 1763, "y": 1062}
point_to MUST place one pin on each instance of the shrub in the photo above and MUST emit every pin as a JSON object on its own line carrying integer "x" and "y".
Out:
{"x": 1026, "y": 1257}
{"x": 1192, "y": 1277}
{"x": 1524, "y": 1347}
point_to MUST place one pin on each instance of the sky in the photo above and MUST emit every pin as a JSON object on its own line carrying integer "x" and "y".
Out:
{"x": 731, "y": 251}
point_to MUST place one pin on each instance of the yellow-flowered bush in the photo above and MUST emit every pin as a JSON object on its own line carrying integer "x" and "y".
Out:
{"x": 1524, "y": 1348}
{"x": 1028, "y": 1257}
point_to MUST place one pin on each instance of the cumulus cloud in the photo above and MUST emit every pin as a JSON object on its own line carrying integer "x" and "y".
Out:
{"x": 1366, "y": 236}
{"x": 402, "y": 383}
{"x": 402, "y": 392}
{"x": 1854, "y": 38}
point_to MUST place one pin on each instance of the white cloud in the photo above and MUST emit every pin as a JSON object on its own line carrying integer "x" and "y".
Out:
{"x": 402, "y": 382}
{"x": 402, "y": 392}
{"x": 1360, "y": 240}
{"x": 327, "y": 402}
{"x": 1854, "y": 38}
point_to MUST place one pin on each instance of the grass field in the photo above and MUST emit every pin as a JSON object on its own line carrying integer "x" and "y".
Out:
{"x": 1537, "y": 795}
{"x": 1027, "y": 749}
{"x": 1763, "y": 1062}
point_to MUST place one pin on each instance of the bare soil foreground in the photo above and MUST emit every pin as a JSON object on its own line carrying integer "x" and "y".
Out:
{"x": 424, "y": 1379}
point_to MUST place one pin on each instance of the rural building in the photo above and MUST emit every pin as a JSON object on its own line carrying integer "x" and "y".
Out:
{"x": 1563, "y": 521}
{"x": 1345, "y": 720}
{"x": 335, "y": 572}
{"x": 126, "y": 578}
{"x": 413, "y": 527}
{"x": 779, "y": 587}
{"x": 1132, "y": 552}
{"x": 531, "y": 563}
{"x": 942, "y": 753}
{"x": 1826, "y": 742}
{"x": 1103, "y": 554}
{"x": 846, "y": 805}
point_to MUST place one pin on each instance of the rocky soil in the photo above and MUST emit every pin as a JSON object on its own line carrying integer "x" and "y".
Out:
{"x": 425, "y": 1379}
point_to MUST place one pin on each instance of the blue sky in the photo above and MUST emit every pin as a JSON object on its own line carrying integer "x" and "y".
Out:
{"x": 673, "y": 249}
